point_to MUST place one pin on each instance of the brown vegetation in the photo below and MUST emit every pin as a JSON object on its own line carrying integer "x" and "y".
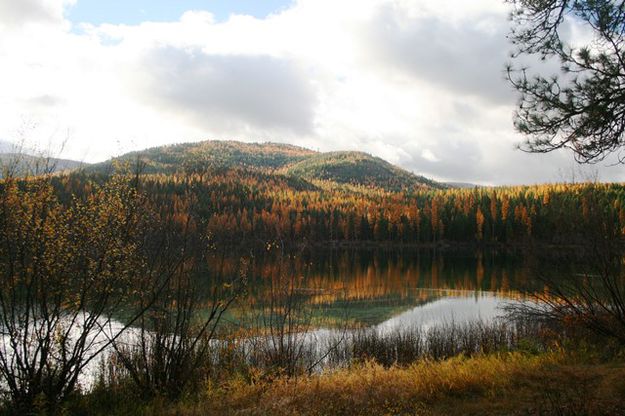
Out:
{"x": 501, "y": 384}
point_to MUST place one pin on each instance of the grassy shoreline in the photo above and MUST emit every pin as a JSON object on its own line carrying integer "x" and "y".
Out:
{"x": 512, "y": 383}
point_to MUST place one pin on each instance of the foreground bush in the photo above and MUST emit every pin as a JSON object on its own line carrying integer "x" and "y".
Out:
{"x": 65, "y": 270}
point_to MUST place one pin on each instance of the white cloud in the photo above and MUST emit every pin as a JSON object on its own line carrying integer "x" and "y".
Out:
{"x": 429, "y": 156}
{"x": 417, "y": 82}
{"x": 16, "y": 13}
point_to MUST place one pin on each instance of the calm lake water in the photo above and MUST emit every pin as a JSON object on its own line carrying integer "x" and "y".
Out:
{"x": 385, "y": 290}
{"x": 389, "y": 289}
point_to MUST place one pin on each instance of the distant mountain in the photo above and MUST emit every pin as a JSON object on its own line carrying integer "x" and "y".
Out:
{"x": 7, "y": 147}
{"x": 461, "y": 185}
{"x": 24, "y": 164}
{"x": 354, "y": 168}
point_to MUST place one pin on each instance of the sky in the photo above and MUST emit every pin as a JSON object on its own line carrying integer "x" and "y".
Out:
{"x": 419, "y": 83}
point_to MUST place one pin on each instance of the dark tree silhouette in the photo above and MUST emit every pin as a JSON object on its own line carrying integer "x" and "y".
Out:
{"x": 582, "y": 107}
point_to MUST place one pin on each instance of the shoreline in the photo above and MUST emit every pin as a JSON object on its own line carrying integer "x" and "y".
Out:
{"x": 526, "y": 247}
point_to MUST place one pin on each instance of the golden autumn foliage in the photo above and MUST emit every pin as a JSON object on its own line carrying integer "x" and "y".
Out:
{"x": 65, "y": 270}
{"x": 240, "y": 205}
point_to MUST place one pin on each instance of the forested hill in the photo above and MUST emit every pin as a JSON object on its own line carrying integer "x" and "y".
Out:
{"x": 357, "y": 168}
{"x": 353, "y": 168}
{"x": 211, "y": 154}
{"x": 240, "y": 192}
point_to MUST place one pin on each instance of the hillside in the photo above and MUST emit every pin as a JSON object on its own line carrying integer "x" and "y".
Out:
{"x": 354, "y": 168}
{"x": 357, "y": 168}
{"x": 212, "y": 154}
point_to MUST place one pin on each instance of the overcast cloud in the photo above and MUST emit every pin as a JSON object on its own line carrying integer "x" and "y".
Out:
{"x": 232, "y": 94}
{"x": 417, "y": 82}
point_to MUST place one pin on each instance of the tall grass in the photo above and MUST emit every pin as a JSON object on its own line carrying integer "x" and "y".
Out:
{"x": 551, "y": 383}
{"x": 369, "y": 388}
{"x": 408, "y": 345}
{"x": 320, "y": 350}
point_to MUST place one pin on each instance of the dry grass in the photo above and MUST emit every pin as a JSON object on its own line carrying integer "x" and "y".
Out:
{"x": 497, "y": 384}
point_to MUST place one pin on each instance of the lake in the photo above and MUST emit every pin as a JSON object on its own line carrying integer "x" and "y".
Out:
{"x": 387, "y": 288}
{"x": 335, "y": 292}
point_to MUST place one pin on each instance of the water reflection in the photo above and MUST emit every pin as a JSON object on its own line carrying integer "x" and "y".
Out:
{"x": 370, "y": 287}
{"x": 446, "y": 311}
